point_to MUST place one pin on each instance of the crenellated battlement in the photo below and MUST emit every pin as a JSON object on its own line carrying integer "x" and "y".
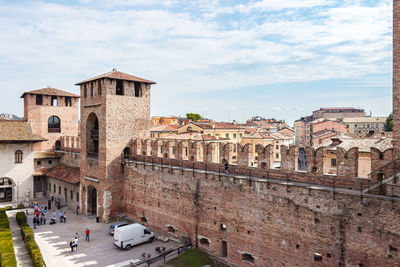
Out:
{"x": 217, "y": 157}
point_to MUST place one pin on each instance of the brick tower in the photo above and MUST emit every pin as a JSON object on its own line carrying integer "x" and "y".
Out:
{"x": 51, "y": 113}
{"x": 396, "y": 78}
{"x": 115, "y": 107}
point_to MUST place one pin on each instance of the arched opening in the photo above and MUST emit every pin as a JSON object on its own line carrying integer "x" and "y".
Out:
{"x": 54, "y": 124}
{"x": 92, "y": 200}
{"x": 6, "y": 189}
{"x": 127, "y": 153}
{"x": 18, "y": 156}
{"x": 92, "y": 136}
{"x": 119, "y": 90}
{"x": 58, "y": 145}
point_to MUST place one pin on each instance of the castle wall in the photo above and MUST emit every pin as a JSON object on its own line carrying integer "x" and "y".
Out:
{"x": 277, "y": 225}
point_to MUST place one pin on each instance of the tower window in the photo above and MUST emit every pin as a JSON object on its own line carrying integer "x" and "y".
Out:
{"x": 68, "y": 101}
{"x": 119, "y": 88}
{"x": 137, "y": 90}
{"x": 54, "y": 125}
{"x": 84, "y": 91}
{"x": 99, "y": 87}
{"x": 39, "y": 100}
{"x": 54, "y": 101}
{"x": 18, "y": 156}
{"x": 91, "y": 89}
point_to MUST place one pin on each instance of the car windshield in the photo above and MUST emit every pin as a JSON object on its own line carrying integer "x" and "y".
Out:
{"x": 112, "y": 226}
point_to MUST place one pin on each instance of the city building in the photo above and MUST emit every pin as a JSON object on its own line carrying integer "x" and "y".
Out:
{"x": 365, "y": 126}
{"x": 157, "y": 131}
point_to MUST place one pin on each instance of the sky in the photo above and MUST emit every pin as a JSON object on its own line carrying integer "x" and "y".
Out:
{"x": 223, "y": 59}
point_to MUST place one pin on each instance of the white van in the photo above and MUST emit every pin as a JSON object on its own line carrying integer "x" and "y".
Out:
{"x": 131, "y": 235}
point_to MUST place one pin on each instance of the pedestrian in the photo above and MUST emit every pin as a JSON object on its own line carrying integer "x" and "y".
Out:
{"x": 226, "y": 165}
{"x": 71, "y": 244}
{"x": 34, "y": 222}
{"x": 76, "y": 236}
{"x": 41, "y": 219}
{"x": 54, "y": 214}
{"x": 37, "y": 220}
{"x": 77, "y": 209}
{"x": 61, "y": 216}
{"x": 76, "y": 243}
{"x": 44, "y": 219}
{"x": 87, "y": 234}
{"x": 65, "y": 216}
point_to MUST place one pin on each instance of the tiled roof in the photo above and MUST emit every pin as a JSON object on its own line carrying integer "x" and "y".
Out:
{"x": 17, "y": 131}
{"x": 192, "y": 136}
{"x": 65, "y": 173}
{"x": 49, "y": 91}
{"x": 218, "y": 125}
{"x": 114, "y": 74}
{"x": 164, "y": 128}
{"x": 364, "y": 144}
{"x": 365, "y": 119}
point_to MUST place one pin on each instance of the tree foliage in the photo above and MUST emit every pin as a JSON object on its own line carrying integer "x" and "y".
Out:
{"x": 193, "y": 116}
{"x": 389, "y": 123}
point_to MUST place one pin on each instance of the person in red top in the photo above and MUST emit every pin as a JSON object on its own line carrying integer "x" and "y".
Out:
{"x": 87, "y": 234}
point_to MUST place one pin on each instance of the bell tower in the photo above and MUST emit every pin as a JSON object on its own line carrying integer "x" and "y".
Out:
{"x": 115, "y": 107}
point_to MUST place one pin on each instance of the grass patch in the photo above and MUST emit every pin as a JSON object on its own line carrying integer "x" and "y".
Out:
{"x": 29, "y": 239}
{"x": 7, "y": 255}
{"x": 191, "y": 258}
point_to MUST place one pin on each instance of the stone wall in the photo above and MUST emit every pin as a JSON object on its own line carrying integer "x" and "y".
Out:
{"x": 268, "y": 223}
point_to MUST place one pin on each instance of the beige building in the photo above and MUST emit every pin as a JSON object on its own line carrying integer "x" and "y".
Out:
{"x": 17, "y": 162}
{"x": 234, "y": 133}
{"x": 365, "y": 125}
{"x": 159, "y": 131}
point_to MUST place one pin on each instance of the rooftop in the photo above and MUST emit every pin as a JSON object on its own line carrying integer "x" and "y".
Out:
{"x": 49, "y": 91}
{"x": 114, "y": 74}
{"x": 17, "y": 131}
{"x": 65, "y": 173}
{"x": 164, "y": 128}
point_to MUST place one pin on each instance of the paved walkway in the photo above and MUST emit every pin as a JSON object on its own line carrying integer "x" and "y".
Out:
{"x": 53, "y": 241}
{"x": 22, "y": 256}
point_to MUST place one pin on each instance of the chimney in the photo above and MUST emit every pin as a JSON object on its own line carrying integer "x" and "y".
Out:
{"x": 234, "y": 122}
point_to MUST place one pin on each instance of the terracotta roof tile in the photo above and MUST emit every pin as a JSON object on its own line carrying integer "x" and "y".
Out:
{"x": 65, "y": 173}
{"x": 49, "y": 91}
{"x": 114, "y": 74}
{"x": 11, "y": 131}
{"x": 164, "y": 128}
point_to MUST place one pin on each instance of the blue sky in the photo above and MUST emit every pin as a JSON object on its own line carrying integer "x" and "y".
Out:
{"x": 223, "y": 59}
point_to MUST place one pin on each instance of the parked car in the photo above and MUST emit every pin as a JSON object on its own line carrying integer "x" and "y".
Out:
{"x": 132, "y": 235}
{"x": 115, "y": 226}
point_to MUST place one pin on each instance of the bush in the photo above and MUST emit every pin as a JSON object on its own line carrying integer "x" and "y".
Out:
{"x": 30, "y": 243}
{"x": 8, "y": 208}
{"x": 7, "y": 256}
{"x": 21, "y": 218}
{"x": 21, "y": 205}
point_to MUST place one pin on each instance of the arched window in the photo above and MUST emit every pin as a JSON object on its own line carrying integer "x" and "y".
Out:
{"x": 18, "y": 156}
{"x": 127, "y": 153}
{"x": 54, "y": 125}
{"x": 92, "y": 136}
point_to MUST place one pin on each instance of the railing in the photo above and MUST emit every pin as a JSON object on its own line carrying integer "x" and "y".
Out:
{"x": 94, "y": 134}
{"x": 54, "y": 130}
{"x": 163, "y": 256}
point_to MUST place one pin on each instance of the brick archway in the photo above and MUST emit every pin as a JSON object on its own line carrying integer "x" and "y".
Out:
{"x": 91, "y": 200}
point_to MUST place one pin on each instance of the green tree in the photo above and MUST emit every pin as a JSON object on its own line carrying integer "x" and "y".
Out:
{"x": 389, "y": 123}
{"x": 193, "y": 116}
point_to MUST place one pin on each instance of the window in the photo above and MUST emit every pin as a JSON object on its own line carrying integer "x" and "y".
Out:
{"x": 127, "y": 152}
{"x": 248, "y": 257}
{"x": 234, "y": 148}
{"x": 39, "y": 162}
{"x": 39, "y": 100}
{"x": 317, "y": 257}
{"x": 227, "y": 135}
{"x": 91, "y": 89}
{"x": 49, "y": 186}
{"x": 50, "y": 162}
{"x": 54, "y": 125}
{"x": 376, "y": 126}
{"x": 54, "y": 101}
{"x": 137, "y": 90}
{"x": 173, "y": 150}
{"x": 84, "y": 91}
{"x": 58, "y": 145}
{"x": 234, "y": 135}
{"x": 68, "y": 101}
{"x": 186, "y": 151}
{"x": 223, "y": 227}
{"x": 59, "y": 190}
{"x": 54, "y": 188}
{"x": 204, "y": 241}
{"x": 119, "y": 89}
{"x": 355, "y": 125}
{"x": 77, "y": 197}
{"x": 277, "y": 155}
{"x": 99, "y": 87}
{"x": 18, "y": 156}
{"x": 72, "y": 195}
{"x": 333, "y": 162}
{"x": 240, "y": 135}
{"x": 277, "y": 146}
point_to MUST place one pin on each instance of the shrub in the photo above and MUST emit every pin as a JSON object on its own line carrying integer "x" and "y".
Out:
{"x": 21, "y": 205}
{"x": 30, "y": 244}
{"x": 7, "y": 256}
{"x": 8, "y": 208}
{"x": 21, "y": 218}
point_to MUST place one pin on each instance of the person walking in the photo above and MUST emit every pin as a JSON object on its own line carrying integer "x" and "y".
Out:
{"x": 71, "y": 244}
{"x": 65, "y": 216}
{"x": 76, "y": 243}
{"x": 87, "y": 234}
{"x": 76, "y": 235}
{"x": 77, "y": 209}
{"x": 34, "y": 222}
{"x": 61, "y": 216}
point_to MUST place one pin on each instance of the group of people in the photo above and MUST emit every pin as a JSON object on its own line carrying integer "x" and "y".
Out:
{"x": 39, "y": 217}
{"x": 74, "y": 241}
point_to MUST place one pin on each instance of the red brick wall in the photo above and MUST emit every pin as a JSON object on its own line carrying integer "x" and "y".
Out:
{"x": 396, "y": 77}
